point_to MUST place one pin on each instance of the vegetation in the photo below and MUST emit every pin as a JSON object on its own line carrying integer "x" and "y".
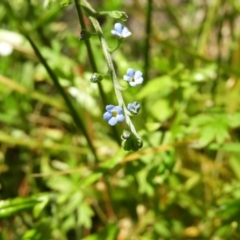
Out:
{"x": 119, "y": 133}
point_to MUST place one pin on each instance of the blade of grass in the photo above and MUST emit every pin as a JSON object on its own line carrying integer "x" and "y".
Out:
{"x": 38, "y": 145}
{"x": 13, "y": 85}
{"x": 78, "y": 121}
{"x": 147, "y": 41}
{"x": 211, "y": 16}
{"x": 94, "y": 67}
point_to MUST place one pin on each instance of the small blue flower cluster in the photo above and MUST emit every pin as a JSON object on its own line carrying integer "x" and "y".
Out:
{"x": 113, "y": 113}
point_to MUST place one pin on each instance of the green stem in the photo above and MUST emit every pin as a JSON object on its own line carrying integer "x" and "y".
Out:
{"x": 87, "y": 42}
{"x": 89, "y": 50}
{"x": 94, "y": 66}
{"x": 117, "y": 87}
{"x": 147, "y": 40}
{"x": 207, "y": 25}
{"x": 75, "y": 116}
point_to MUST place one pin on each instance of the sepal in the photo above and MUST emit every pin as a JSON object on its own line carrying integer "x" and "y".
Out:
{"x": 131, "y": 141}
{"x": 96, "y": 78}
{"x": 85, "y": 35}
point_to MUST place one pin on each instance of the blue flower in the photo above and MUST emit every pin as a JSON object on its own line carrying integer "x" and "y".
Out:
{"x": 113, "y": 114}
{"x": 120, "y": 31}
{"x": 134, "y": 107}
{"x": 133, "y": 78}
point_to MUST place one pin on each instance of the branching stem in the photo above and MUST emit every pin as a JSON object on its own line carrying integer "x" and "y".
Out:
{"x": 116, "y": 85}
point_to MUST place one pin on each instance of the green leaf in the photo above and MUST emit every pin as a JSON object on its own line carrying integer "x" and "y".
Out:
{"x": 42, "y": 230}
{"x": 60, "y": 183}
{"x": 234, "y": 120}
{"x": 235, "y": 164}
{"x": 65, "y": 3}
{"x": 11, "y": 207}
{"x": 108, "y": 233}
{"x": 161, "y": 109}
{"x": 38, "y": 208}
{"x": 161, "y": 85}
{"x": 162, "y": 229}
{"x": 93, "y": 177}
{"x": 115, "y": 14}
{"x": 84, "y": 215}
{"x": 212, "y": 127}
{"x": 231, "y": 147}
{"x": 144, "y": 186}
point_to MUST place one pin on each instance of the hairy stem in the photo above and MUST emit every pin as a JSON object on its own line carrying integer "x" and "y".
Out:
{"x": 112, "y": 71}
{"x": 93, "y": 63}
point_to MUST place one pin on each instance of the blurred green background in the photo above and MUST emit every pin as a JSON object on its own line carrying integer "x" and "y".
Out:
{"x": 185, "y": 181}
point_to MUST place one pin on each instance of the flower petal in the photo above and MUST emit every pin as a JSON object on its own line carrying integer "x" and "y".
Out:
{"x": 118, "y": 27}
{"x": 112, "y": 121}
{"x": 138, "y": 74}
{"x": 134, "y": 107}
{"x": 133, "y": 84}
{"x": 130, "y": 72}
{"x": 114, "y": 32}
{"x": 120, "y": 117}
{"x": 107, "y": 116}
{"x": 126, "y": 32}
{"x": 118, "y": 109}
{"x": 126, "y": 78}
{"x": 135, "y": 104}
{"x": 129, "y": 106}
{"x": 139, "y": 80}
{"x": 110, "y": 107}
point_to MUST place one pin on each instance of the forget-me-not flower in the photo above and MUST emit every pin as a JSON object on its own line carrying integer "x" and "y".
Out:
{"x": 113, "y": 114}
{"x": 133, "y": 78}
{"x": 134, "y": 107}
{"x": 120, "y": 31}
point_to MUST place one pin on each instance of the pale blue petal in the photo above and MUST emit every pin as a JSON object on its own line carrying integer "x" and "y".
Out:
{"x": 107, "y": 116}
{"x": 118, "y": 109}
{"x": 139, "y": 80}
{"x": 110, "y": 107}
{"x": 118, "y": 27}
{"x": 129, "y": 107}
{"x": 116, "y": 33}
{"x": 135, "y": 104}
{"x": 112, "y": 121}
{"x": 126, "y": 78}
{"x": 126, "y": 32}
{"x": 120, "y": 118}
{"x": 130, "y": 72}
{"x": 138, "y": 74}
{"x": 134, "y": 107}
{"x": 133, "y": 84}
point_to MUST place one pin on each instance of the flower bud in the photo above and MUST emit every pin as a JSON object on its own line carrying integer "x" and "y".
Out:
{"x": 131, "y": 141}
{"x": 96, "y": 78}
{"x": 84, "y": 35}
{"x": 126, "y": 134}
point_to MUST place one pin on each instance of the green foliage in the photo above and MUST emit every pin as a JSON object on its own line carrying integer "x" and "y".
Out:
{"x": 63, "y": 171}
{"x": 65, "y": 3}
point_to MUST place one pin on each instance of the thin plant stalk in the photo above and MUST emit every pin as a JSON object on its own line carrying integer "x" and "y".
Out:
{"x": 78, "y": 121}
{"x": 147, "y": 40}
{"x": 94, "y": 65}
